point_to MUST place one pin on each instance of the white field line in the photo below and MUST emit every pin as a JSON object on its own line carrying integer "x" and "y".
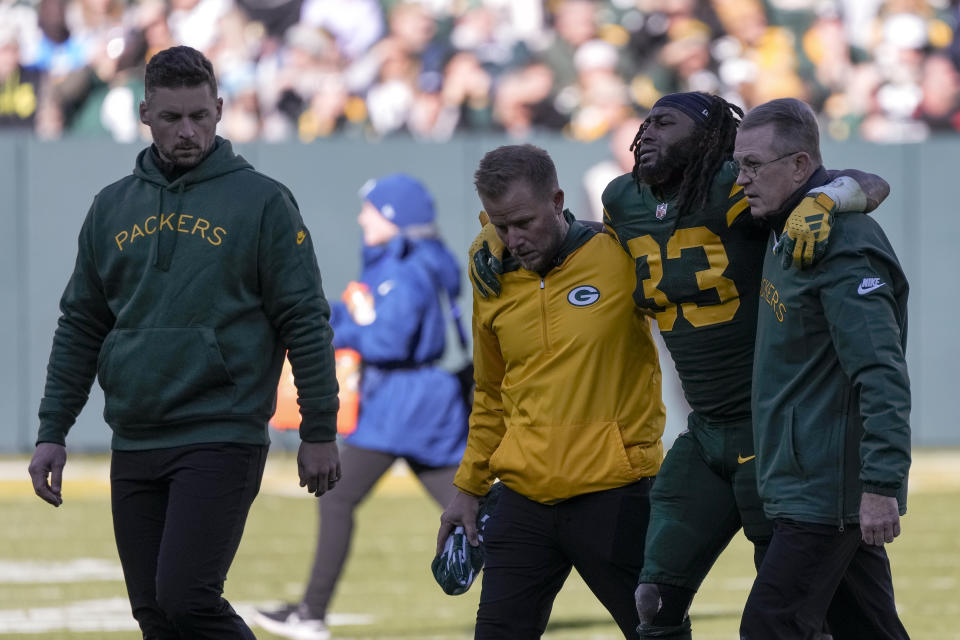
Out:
{"x": 932, "y": 471}
{"x": 77, "y": 570}
{"x": 90, "y": 476}
{"x": 113, "y": 614}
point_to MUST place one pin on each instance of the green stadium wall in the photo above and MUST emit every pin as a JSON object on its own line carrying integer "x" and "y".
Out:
{"x": 47, "y": 188}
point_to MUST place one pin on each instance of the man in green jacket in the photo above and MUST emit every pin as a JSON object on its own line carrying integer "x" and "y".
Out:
{"x": 194, "y": 275}
{"x": 831, "y": 401}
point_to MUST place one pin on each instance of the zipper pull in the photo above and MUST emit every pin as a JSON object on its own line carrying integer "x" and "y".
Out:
{"x": 541, "y": 283}
{"x": 776, "y": 242}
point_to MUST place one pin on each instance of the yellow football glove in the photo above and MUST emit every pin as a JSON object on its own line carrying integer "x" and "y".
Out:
{"x": 486, "y": 259}
{"x": 807, "y": 231}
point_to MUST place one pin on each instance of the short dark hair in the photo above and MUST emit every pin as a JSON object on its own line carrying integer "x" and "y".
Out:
{"x": 508, "y": 164}
{"x": 794, "y": 124}
{"x": 178, "y": 67}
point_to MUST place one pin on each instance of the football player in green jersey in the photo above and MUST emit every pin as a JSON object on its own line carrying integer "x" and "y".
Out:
{"x": 698, "y": 255}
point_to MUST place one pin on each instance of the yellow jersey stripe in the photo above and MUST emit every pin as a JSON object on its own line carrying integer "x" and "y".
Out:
{"x": 736, "y": 209}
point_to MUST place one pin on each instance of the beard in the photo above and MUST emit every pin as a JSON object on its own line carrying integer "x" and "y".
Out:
{"x": 670, "y": 164}
{"x": 545, "y": 259}
{"x": 539, "y": 264}
{"x": 185, "y": 157}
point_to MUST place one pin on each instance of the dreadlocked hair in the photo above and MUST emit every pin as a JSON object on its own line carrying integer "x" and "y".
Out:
{"x": 714, "y": 139}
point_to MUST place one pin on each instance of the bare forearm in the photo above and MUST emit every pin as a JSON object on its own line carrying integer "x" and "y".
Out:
{"x": 875, "y": 188}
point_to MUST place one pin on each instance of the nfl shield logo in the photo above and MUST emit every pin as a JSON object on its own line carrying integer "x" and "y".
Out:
{"x": 661, "y": 210}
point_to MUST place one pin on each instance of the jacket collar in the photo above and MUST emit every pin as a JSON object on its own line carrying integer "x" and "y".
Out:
{"x": 220, "y": 160}
{"x": 779, "y": 219}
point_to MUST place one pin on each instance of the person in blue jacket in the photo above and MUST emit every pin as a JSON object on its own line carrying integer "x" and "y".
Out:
{"x": 410, "y": 407}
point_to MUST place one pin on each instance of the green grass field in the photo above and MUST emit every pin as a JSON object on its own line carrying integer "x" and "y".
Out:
{"x": 60, "y": 578}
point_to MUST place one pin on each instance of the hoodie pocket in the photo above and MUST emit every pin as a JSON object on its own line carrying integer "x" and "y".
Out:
{"x": 154, "y": 376}
{"x": 547, "y": 463}
{"x": 785, "y": 460}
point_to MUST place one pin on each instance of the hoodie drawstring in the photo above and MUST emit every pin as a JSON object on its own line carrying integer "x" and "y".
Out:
{"x": 156, "y": 241}
{"x": 165, "y": 253}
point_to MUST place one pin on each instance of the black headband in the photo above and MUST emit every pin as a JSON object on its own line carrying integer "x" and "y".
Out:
{"x": 694, "y": 104}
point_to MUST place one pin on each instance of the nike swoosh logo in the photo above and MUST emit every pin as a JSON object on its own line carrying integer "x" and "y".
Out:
{"x": 868, "y": 288}
{"x": 741, "y": 459}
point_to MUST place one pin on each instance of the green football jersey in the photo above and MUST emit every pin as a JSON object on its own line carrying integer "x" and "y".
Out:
{"x": 699, "y": 275}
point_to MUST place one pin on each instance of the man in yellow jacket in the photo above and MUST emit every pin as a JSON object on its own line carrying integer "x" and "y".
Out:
{"x": 567, "y": 410}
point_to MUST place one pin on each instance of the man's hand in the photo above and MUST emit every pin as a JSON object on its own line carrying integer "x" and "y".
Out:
{"x": 486, "y": 261}
{"x": 879, "y": 518}
{"x": 318, "y": 464}
{"x": 807, "y": 231}
{"x": 462, "y": 511}
{"x": 48, "y": 460}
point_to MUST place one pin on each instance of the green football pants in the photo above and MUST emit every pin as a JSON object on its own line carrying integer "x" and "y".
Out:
{"x": 705, "y": 492}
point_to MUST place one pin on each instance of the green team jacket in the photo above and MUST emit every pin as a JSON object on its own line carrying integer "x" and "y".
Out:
{"x": 831, "y": 396}
{"x": 183, "y": 300}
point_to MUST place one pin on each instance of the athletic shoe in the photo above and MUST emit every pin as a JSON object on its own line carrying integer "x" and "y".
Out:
{"x": 293, "y": 621}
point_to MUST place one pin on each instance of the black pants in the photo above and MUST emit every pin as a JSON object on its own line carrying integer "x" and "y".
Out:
{"x": 361, "y": 470}
{"x": 529, "y": 549}
{"x": 178, "y": 515}
{"x": 806, "y": 567}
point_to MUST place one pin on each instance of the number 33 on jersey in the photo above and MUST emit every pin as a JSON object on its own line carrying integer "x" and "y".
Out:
{"x": 699, "y": 275}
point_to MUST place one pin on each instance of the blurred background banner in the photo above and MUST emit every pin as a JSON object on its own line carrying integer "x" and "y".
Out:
{"x": 879, "y": 70}
{"x": 47, "y": 188}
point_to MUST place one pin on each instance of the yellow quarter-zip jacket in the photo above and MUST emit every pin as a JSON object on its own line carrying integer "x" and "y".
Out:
{"x": 567, "y": 397}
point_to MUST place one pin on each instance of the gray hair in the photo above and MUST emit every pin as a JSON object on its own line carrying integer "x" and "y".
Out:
{"x": 794, "y": 124}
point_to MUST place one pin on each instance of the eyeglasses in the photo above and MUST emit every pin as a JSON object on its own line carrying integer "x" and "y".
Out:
{"x": 750, "y": 169}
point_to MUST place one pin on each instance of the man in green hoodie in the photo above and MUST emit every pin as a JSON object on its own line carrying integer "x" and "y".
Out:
{"x": 831, "y": 401}
{"x": 194, "y": 275}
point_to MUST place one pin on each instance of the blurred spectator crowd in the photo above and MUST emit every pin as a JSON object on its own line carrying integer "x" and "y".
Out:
{"x": 880, "y": 70}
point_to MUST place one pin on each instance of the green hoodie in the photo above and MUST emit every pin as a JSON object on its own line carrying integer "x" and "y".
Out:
{"x": 831, "y": 394}
{"x": 183, "y": 300}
